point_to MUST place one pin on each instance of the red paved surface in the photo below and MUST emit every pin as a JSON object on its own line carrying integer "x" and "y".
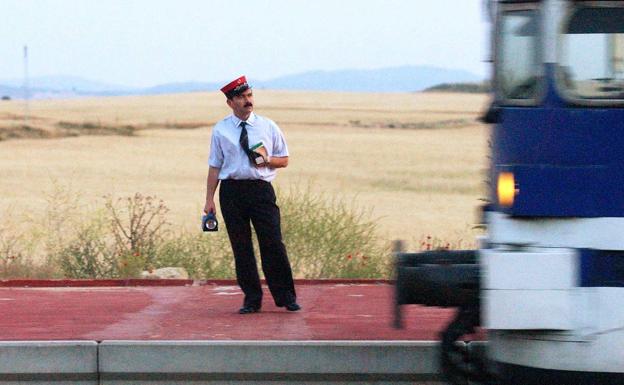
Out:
{"x": 331, "y": 311}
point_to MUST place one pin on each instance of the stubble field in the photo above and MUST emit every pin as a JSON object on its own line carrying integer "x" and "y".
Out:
{"x": 416, "y": 161}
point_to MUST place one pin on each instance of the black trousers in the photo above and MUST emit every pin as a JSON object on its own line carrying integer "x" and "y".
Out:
{"x": 253, "y": 201}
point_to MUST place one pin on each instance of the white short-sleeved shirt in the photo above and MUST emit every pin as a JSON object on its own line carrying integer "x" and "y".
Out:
{"x": 227, "y": 154}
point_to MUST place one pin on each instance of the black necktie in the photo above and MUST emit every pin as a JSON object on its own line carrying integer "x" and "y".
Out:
{"x": 244, "y": 142}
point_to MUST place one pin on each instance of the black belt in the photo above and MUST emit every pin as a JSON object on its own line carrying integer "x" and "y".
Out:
{"x": 245, "y": 181}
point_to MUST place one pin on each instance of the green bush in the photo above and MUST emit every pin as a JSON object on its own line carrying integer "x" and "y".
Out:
{"x": 330, "y": 238}
{"x": 138, "y": 225}
{"x": 325, "y": 238}
{"x": 88, "y": 254}
{"x": 202, "y": 255}
{"x": 14, "y": 257}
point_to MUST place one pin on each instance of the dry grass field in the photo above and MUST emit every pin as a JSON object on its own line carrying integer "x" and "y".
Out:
{"x": 416, "y": 161}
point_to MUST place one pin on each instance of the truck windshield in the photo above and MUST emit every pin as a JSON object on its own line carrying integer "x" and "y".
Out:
{"x": 517, "y": 71}
{"x": 592, "y": 54}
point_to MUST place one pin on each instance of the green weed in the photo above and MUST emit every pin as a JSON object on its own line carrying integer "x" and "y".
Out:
{"x": 325, "y": 238}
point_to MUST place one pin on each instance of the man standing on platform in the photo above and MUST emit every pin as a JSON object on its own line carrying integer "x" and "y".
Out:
{"x": 245, "y": 151}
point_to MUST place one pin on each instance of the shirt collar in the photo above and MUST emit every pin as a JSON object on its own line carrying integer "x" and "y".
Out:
{"x": 250, "y": 120}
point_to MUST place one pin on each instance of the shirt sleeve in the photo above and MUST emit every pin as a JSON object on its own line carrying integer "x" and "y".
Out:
{"x": 216, "y": 153}
{"x": 280, "y": 148}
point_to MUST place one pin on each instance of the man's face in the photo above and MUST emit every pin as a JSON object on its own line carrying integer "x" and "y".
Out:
{"x": 242, "y": 104}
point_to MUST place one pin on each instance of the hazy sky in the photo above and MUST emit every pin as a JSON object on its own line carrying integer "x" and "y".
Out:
{"x": 147, "y": 42}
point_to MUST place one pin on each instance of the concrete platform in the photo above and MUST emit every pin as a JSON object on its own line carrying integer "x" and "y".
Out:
{"x": 338, "y": 310}
{"x": 188, "y": 332}
{"x": 49, "y": 362}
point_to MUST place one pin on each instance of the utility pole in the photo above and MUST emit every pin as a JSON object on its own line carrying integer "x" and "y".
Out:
{"x": 26, "y": 91}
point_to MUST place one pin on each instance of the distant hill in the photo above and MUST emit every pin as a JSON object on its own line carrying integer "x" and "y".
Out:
{"x": 182, "y": 87}
{"x": 65, "y": 83}
{"x": 394, "y": 79}
{"x": 474, "y": 88}
{"x": 11, "y": 92}
{"x": 60, "y": 86}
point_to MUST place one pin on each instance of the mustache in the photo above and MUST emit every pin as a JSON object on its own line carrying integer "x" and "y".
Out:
{"x": 248, "y": 104}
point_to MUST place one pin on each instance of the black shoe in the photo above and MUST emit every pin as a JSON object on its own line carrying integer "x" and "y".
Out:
{"x": 248, "y": 310}
{"x": 293, "y": 306}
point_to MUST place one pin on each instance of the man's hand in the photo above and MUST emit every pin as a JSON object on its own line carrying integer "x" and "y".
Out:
{"x": 266, "y": 162}
{"x": 277, "y": 162}
{"x": 211, "y": 186}
{"x": 210, "y": 207}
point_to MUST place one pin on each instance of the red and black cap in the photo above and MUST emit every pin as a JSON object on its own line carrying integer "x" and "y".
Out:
{"x": 235, "y": 87}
